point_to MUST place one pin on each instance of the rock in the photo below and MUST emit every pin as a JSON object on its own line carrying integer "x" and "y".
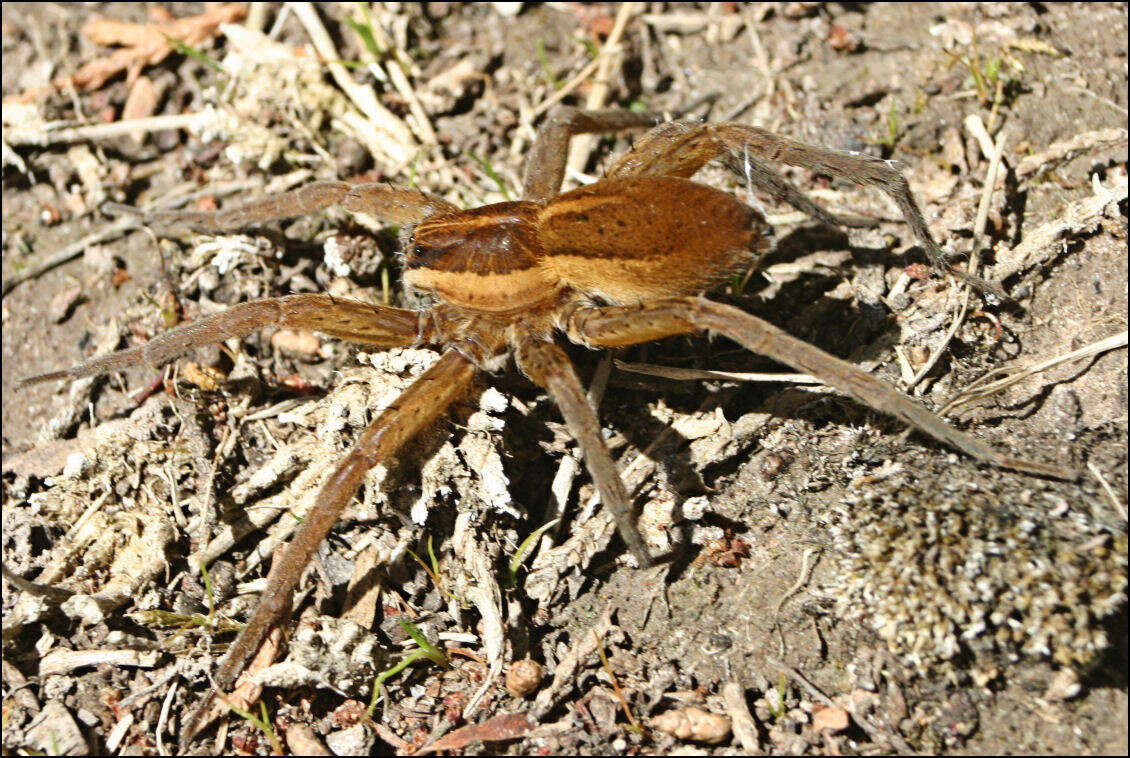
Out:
{"x": 692, "y": 723}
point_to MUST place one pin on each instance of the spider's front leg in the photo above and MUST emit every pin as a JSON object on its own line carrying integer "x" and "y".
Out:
{"x": 381, "y": 326}
{"x": 416, "y": 408}
{"x": 548, "y": 366}
{"x": 389, "y": 204}
{"x": 352, "y": 320}
{"x": 619, "y": 326}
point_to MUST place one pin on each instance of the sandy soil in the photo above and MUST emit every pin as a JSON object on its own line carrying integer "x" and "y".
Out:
{"x": 843, "y": 587}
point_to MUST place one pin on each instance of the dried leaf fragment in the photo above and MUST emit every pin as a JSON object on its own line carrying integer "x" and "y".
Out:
{"x": 508, "y": 726}
{"x": 296, "y": 341}
{"x": 204, "y": 377}
{"x": 64, "y": 301}
{"x": 144, "y": 44}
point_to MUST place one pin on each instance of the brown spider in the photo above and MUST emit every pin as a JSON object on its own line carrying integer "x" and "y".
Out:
{"x": 616, "y": 263}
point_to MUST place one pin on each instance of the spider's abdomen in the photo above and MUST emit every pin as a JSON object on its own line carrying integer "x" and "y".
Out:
{"x": 627, "y": 240}
{"x": 486, "y": 259}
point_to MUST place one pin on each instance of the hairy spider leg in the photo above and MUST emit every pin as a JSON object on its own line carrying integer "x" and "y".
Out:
{"x": 390, "y": 204}
{"x": 352, "y": 320}
{"x": 382, "y": 326}
{"x": 681, "y": 149}
{"x": 547, "y": 366}
{"x": 546, "y": 167}
{"x": 416, "y": 408}
{"x": 618, "y": 326}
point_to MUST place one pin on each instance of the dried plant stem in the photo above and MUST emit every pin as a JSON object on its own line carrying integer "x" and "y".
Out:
{"x": 584, "y": 144}
{"x": 672, "y": 372}
{"x": 1037, "y": 165}
{"x": 806, "y": 567}
{"x": 73, "y": 250}
{"x": 974, "y": 259}
{"x": 56, "y": 134}
{"x": 611, "y": 46}
{"x": 399, "y": 145}
{"x": 616, "y": 685}
{"x": 979, "y": 390}
{"x": 876, "y": 733}
{"x": 1119, "y": 506}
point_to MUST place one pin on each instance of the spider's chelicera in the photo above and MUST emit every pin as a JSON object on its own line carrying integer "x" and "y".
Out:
{"x": 621, "y": 261}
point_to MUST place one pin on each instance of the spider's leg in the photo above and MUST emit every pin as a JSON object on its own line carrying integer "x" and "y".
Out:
{"x": 416, "y": 408}
{"x": 763, "y": 176}
{"x": 346, "y": 319}
{"x": 548, "y": 366}
{"x": 676, "y": 148}
{"x": 628, "y": 325}
{"x": 738, "y": 143}
{"x": 680, "y": 149}
{"x": 396, "y": 205}
{"x": 545, "y": 167}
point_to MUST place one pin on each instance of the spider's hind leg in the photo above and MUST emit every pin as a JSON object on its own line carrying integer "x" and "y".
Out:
{"x": 619, "y": 326}
{"x": 548, "y": 366}
{"x": 741, "y": 146}
{"x": 681, "y": 149}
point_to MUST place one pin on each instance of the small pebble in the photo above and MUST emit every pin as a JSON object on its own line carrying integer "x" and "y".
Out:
{"x": 692, "y": 723}
{"x": 833, "y": 719}
{"x": 523, "y": 678}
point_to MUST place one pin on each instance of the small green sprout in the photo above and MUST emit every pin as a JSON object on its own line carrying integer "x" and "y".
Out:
{"x": 488, "y": 169}
{"x": 425, "y": 650}
{"x": 553, "y": 80}
{"x": 524, "y": 548}
{"x": 263, "y": 722}
{"x": 191, "y": 52}
{"x": 433, "y": 570}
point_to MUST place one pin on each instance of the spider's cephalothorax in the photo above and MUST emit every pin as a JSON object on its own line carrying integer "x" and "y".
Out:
{"x": 616, "y": 263}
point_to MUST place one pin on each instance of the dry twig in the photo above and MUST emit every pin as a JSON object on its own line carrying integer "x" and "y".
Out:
{"x": 583, "y": 145}
{"x": 974, "y": 259}
{"x": 673, "y": 372}
{"x": 979, "y": 389}
{"x": 399, "y": 143}
{"x": 875, "y": 732}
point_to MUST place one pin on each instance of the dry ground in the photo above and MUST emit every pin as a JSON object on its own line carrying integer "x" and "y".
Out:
{"x": 938, "y": 605}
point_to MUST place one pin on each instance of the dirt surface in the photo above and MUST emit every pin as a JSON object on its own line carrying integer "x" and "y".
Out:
{"x": 842, "y": 587}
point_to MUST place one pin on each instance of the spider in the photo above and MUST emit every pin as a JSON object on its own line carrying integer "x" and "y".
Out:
{"x": 619, "y": 262}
